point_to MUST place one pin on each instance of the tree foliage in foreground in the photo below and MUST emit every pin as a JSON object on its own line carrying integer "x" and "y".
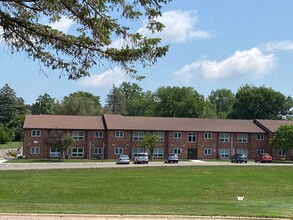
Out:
{"x": 26, "y": 27}
{"x": 283, "y": 138}
{"x": 149, "y": 141}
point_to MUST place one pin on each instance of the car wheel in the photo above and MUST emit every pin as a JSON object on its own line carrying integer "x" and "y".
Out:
{"x": 245, "y": 161}
{"x": 146, "y": 162}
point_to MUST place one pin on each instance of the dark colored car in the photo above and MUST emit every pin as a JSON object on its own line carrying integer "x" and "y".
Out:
{"x": 263, "y": 158}
{"x": 239, "y": 158}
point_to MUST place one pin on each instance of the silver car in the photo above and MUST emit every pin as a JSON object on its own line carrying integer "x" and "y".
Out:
{"x": 123, "y": 159}
{"x": 172, "y": 158}
{"x": 141, "y": 158}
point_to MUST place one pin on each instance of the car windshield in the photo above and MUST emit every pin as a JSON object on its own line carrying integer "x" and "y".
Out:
{"x": 124, "y": 157}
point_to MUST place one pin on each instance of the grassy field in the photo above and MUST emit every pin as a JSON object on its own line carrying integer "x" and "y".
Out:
{"x": 10, "y": 145}
{"x": 200, "y": 190}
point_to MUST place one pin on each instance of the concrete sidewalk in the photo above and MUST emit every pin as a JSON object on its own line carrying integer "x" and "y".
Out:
{"x": 122, "y": 217}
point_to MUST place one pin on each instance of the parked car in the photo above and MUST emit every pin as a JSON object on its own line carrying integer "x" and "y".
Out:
{"x": 141, "y": 158}
{"x": 239, "y": 158}
{"x": 123, "y": 159}
{"x": 172, "y": 158}
{"x": 263, "y": 158}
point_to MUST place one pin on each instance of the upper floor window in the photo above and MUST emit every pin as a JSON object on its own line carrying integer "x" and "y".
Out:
{"x": 242, "y": 138}
{"x": 224, "y": 137}
{"x": 119, "y": 134}
{"x": 192, "y": 137}
{"x": 260, "y": 137}
{"x": 78, "y": 135}
{"x": 207, "y": 135}
{"x": 99, "y": 134}
{"x": 160, "y": 135}
{"x": 177, "y": 135}
{"x": 138, "y": 135}
{"x": 36, "y": 133}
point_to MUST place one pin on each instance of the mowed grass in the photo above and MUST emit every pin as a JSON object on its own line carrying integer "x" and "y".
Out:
{"x": 197, "y": 190}
{"x": 10, "y": 145}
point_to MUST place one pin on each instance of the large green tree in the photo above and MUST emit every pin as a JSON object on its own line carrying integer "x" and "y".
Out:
{"x": 26, "y": 27}
{"x": 283, "y": 138}
{"x": 115, "y": 102}
{"x": 80, "y": 103}
{"x": 253, "y": 102}
{"x": 182, "y": 102}
{"x": 44, "y": 105}
{"x": 149, "y": 141}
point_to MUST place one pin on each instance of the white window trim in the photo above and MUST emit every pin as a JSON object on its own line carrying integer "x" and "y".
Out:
{"x": 78, "y": 135}
{"x": 281, "y": 153}
{"x": 177, "y": 150}
{"x": 118, "y": 150}
{"x": 225, "y": 139}
{"x": 36, "y": 133}
{"x": 208, "y": 151}
{"x": 208, "y": 135}
{"x": 160, "y": 135}
{"x": 260, "y": 137}
{"x": 192, "y": 135}
{"x": 119, "y": 134}
{"x": 35, "y": 150}
{"x": 54, "y": 154}
{"x": 242, "y": 138}
{"x": 98, "y": 150}
{"x": 100, "y": 134}
{"x": 138, "y": 135}
{"x": 177, "y": 135}
{"x": 76, "y": 154}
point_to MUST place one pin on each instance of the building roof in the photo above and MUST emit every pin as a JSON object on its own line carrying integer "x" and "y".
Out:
{"x": 272, "y": 125}
{"x": 114, "y": 122}
{"x": 63, "y": 122}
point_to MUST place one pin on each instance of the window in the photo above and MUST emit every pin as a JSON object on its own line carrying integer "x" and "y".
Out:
{"x": 35, "y": 150}
{"x": 281, "y": 153}
{"x": 260, "y": 151}
{"x": 224, "y": 153}
{"x": 177, "y": 135}
{"x": 98, "y": 150}
{"x": 36, "y": 133}
{"x": 192, "y": 137}
{"x": 138, "y": 135}
{"x": 54, "y": 152}
{"x": 242, "y": 138}
{"x": 224, "y": 137}
{"x": 158, "y": 153}
{"x": 260, "y": 137}
{"x": 119, "y": 134}
{"x": 207, "y": 135}
{"x": 99, "y": 134}
{"x": 118, "y": 150}
{"x": 160, "y": 135}
{"x": 77, "y": 152}
{"x": 136, "y": 151}
{"x": 78, "y": 135}
{"x": 208, "y": 151}
{"x": 242, "y": 151}
{"x": 177, "y": 151}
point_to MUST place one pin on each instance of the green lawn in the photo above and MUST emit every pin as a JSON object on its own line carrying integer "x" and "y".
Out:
{"x": 10, "y": 145}
{"x": 197, "y": 190}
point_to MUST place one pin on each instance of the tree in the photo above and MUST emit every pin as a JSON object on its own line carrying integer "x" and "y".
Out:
{"x": 283, "y": 138}
{"x": 260, "y": 103}
{"x": 6, "y": 135}
{"x": 115, "y": 101}
{"x": 16, "y": 126}
{"x": 178, "y": 102}
{"x": 26, "y": 27}
{"x": 80, "y": 103}
{"x": 223, "y": 100}
{"x": 44, "y": 105}
{"x": 149, "y": 141}
{"x": 10, "y": 105}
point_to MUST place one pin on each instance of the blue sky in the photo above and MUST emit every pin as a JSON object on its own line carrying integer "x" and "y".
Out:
{"x": 214, "y": 44}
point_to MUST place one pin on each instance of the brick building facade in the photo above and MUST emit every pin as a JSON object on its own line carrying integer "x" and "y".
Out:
{"x": 108, "y": 136}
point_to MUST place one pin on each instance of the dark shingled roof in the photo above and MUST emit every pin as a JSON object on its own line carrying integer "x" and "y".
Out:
{"x": 63, "y": 122}
{"x": 272, "y": 125}
{"x": 114, "y": 122}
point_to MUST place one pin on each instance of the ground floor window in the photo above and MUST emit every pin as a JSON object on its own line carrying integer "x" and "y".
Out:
{"x": 136, "y": 151}
{"x": 98, "y": 150}
{"x": 77, "y": 152}
{"x": 54, "y": 152}
{"x": 224, "y": 153}
{"x": 260, "y": 151}
{"x": 35, "y": 150}
{"x": 208, "y": 151}
{"x": 158, "y": 153}
{"x": 177, "y": 151}
{"x": 242, "y": 151}
{"x": 118, "y": 150}
{"x": 281, "y": 153}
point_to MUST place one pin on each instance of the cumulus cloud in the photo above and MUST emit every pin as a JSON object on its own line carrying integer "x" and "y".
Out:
{"x": 274, "y": 46}
{"x": 105, "y": 80}
{"x": 247, "y": 64}
{"x": 180, "y": 26}
{"x": 64, "y": 24}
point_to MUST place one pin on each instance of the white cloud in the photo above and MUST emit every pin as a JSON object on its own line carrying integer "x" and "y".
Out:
{"x": 105, "y": 80}
{"x": 180, "y": 26}
{"x": 64, "y": 24}
{"x": 247, "y": 64}
{"x": 274, "y": 46}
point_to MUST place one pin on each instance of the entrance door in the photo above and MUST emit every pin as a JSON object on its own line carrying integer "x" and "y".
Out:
{"x": 192, "y": 154}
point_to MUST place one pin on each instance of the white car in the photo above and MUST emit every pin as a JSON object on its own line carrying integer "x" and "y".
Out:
{"x": 141, "y": 158}
{"x": 172, "y": 158}
{"x": 123, "y": 159}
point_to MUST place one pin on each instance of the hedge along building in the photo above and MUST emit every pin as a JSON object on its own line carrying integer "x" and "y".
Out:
{"x": 108, "y": 136}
